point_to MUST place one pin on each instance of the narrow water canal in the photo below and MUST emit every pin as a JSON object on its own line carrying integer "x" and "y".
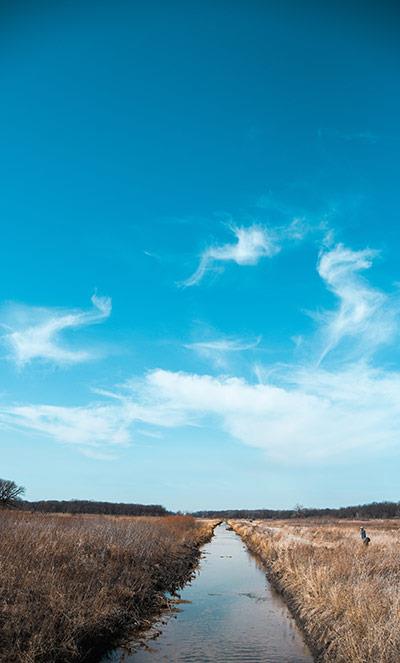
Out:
{"x": 229, "y": 613}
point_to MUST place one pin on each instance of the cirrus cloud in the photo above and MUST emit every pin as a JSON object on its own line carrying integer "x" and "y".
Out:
{"x": 252, "y": 244}
{"x": 309, "y": 415}
{"x": 34, "y": 333}
{"x": 364, "y": 313}
{"x": 294, "y": 413}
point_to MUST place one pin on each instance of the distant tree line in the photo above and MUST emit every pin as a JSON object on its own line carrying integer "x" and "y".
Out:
{"x": 361, "y": 511}
{"x": 11, "y": 497}
{"x": 89, "y": 506}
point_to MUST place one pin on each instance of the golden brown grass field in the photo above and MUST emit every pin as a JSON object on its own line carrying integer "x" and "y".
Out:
{"x": 70, "y": 585}
{"x": 345, "y": 595}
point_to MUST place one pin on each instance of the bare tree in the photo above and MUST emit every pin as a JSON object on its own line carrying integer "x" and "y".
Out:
{"x": 10, "y": 493}
{"x": 298, "y": 511}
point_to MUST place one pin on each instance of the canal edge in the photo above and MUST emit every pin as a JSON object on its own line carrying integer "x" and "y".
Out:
{"x": 274, "y": 581}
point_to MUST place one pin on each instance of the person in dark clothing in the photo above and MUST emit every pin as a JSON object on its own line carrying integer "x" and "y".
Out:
{"x": 364, "y": 538}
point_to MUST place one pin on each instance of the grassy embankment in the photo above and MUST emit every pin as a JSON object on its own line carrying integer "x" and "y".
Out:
{"x": 71, "y": 585}
{"x": 346, "y": 596}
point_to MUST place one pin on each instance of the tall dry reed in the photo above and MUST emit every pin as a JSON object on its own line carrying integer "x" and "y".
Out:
{"x": 70, "y": 584}
{"x": 346, "y": 595}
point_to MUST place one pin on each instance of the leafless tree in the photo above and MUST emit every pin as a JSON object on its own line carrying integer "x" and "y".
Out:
{"x": 10, "y": 493}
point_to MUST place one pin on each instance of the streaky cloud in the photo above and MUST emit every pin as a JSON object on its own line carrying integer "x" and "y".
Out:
{"x": 363, "y": 312}
{"x": 293, "y": 413}
{"x": 252, "y": 244}
{"x": 223, "y": 345}
{"x": 93, "y": 425}
{"x": 307, "y": 414}
{"x": 34, "y": 333}
{"x": 99, "y": 425}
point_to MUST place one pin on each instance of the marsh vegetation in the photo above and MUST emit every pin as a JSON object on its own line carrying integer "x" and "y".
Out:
{"x": 70, "y": 585}
{"x": 345, "y": 595}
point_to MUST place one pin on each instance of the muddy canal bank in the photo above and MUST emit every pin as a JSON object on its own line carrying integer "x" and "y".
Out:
{"x": 229, "y": 612}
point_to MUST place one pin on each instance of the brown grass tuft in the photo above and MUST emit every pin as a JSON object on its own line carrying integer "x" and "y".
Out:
{"x": 345, "y": 595}
{"x": 70, "y": 584}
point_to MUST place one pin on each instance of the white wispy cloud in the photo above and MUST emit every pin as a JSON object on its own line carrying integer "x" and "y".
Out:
{"x": 252, "y": 244}
{"x": 98, "y": 455}
{"x": 310, "y": 415}
{"x": 363, "y": 313}
{"x": 35, "y": 333}
{"x": 224, "y": 345}
{"x": 217, "y": 350}
{"x": 104, "y": 424}
{"x": 293, "y": 413}
{"x": 92, "y": 425}
{"x": 313, "y": 414}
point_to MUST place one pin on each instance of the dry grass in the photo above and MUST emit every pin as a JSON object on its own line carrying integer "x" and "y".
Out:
{"x": 70, "y": 584}
{"x": 346, "y": 595}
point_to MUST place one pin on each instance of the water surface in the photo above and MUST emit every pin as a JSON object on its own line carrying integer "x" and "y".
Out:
{"x": 229, "y": 613}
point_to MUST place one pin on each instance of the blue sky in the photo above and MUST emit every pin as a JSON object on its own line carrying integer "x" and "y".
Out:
{"x": 199, "y": 252}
